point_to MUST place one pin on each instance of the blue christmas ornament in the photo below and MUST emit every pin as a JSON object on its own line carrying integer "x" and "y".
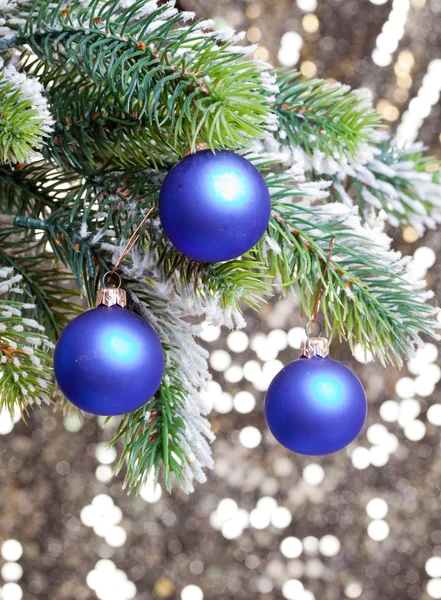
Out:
{"x": 109, "y": 361}
{"x": 214, "y": 207}
{"x": 315, "y": 405}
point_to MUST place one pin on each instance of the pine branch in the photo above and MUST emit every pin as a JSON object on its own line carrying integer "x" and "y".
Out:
{"x": 25, "y": 352}
{"x": 403, "y": 184}
{"x": 332, "y": 131}
{"x": 369, "y": 297}
{"x": 134, "y": 73}
{"x": 25, "y": 121}
{"x": 324, "y": 119}
{"x": 171, "y": 430}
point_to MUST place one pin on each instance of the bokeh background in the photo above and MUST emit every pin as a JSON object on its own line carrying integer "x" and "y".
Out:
{"x": 364, "y": 523}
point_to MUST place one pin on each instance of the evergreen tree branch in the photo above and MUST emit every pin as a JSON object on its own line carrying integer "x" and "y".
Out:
{"x": 370, "y": 298}
{"x": 328, "y": 120}
{"x": 403, "y": 184}
{"x": 132, "y": 72}
{"x": 25, "y": 121}
{"x": 25, "y": 352}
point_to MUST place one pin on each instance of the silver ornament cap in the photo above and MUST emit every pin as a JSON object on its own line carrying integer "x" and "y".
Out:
{"x": 314, "y": 346}
{"x": 110, "y": 296}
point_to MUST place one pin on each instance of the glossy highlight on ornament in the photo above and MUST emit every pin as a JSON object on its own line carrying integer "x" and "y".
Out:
{"x": 315, "y": 406}
{"x": 214, "y": 206}
{"x": 109, "y": 361}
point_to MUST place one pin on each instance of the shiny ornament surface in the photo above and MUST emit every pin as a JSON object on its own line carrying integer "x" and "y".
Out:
{"x": 214, "y": 207}
{"x": 315, "y": 406}
{"x": 109, "y": 361}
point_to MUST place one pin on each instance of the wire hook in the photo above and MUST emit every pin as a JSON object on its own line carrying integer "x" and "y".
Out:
{"x": 320, "y": 292}
{"x": 128, "y": 247}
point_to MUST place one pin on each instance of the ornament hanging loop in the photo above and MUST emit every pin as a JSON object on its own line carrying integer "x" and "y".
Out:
{"x": 107, "y": 279}
{"x": 313, "y": 328}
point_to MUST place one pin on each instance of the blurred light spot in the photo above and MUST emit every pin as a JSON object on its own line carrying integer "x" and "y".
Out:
{"x": 259, "y": 519}
{"x": 150, "y": 492}
{"x": 116, "y": 537}
{"x": 291, "y": 39}
{"x": 433, "y": 566}
{"x": 11, "y": 591}
{"x": 409, "y": 234}
{"x": 310, "y": 23}
{"x": 377, "y": 508}
{"x": 378, "y": 530}
{"x": 254, "y": 34}
{"x": 425, "y": 256}
{"x": 234, "y": 374}
{"x": 295, "y": 337}
{"x": 378, "y": 456}
{"x": 105, "y": 454}
{"x": 250, "y": 437}
{"x": 405, "y": 387}
{"x": 209, "y": 333}
{"x": 360, "y": 458}
{"x": 307, "y": 5}
{"x": 110, "y": 583}
{"x": 237, "y": 341}
{"x": 434, "y": 588}
{"x": 293, "y": 589}
{"x": 313, "y": 474}
{"x": 262, "y": 53}
{"x": 252, "y": 370}
{"x": 11, "y": 550}
{"x": 73, "y": 423}
{"x": 409, "y": 410}
{"x": 329, "y": 545}
{"x": 291, "y": 547}
{"x": 434, "y": 414}
{"x": 391, "y": 444}
{"x": 308, "y": 68}
{"x": 392, "y": 32}
{"x": 415, "y": 431}
{"x": 310, "y": 545}
{"x": 278, "y": 338}
{"x": 253, "y": 11}
{"x": 164, "y": 587}
{"x": 268, "y": 504}
{"x": 227, "y": 507}
{"x": 377, "y": 433}
{"x": 288, "y": 57}
{"x": 363, "y": 356}
{"x": 220, "y": 360}
{"x": 424, "y": 385}
{"x": 353, "y": 589}
{"x": 104, "y": 473}
{"x": 6, "y": 423}
{"x": 389, "y": 411}
{"x": 420, "y": 107}
{"x": 244, "y": 402}
{"x": 11, "y": 571}
{"x": 192, "y": 592}
{"x": 223, "y": 404}
{"x": 281, "y": 517}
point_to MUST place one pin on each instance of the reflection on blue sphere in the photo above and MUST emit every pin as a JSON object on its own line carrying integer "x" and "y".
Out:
{"x": 214, "y": 207}
{"x": 109, "y": 361}
{"x": 315, "y": 406}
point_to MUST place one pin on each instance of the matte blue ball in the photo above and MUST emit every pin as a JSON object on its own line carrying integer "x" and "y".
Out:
{"x": 109, "y": 361}
{"x": 315, "y": 406}
{"x": 214, "y": 207}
